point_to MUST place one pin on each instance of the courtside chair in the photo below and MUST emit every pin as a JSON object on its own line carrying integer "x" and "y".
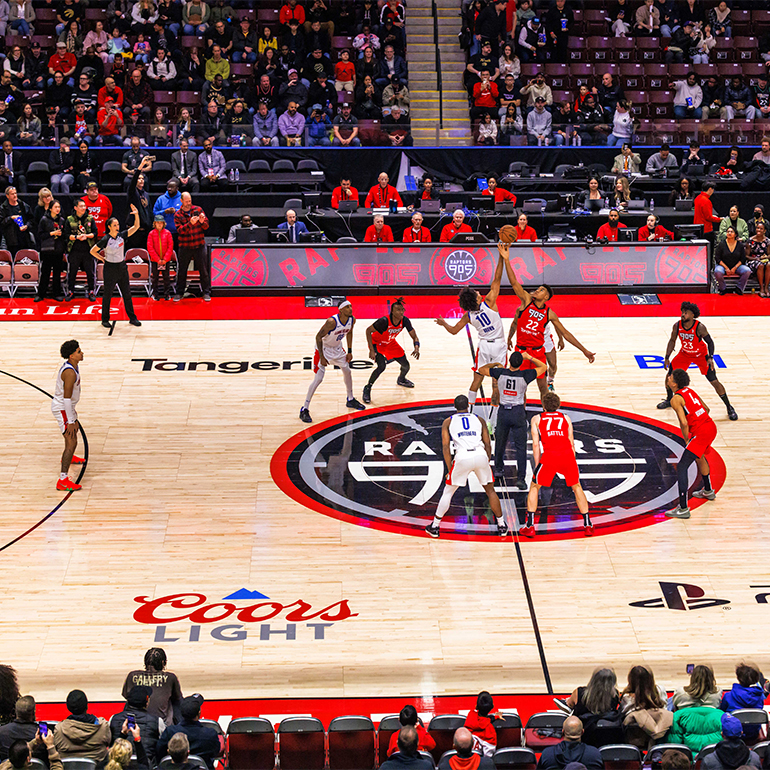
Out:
{"x": 77, "y": 763}
{"x": 259, "y": 166}
{"x": 515, "y": 758}
{"x": 283, "y": 164}
{"x": 351, "y": 743}
{"x": 656, "y": 752}
{"x": 509, "y": 730}
{"x": 760, "y": 749}
{"x": 621, "y": 756}
{"x": 390, "y": 724}
{"x": 753, "y": 717}
{"x": 251, "y": 744}
{"x": 167, "y": 762}
{"x": 442, "y": 729}
{"x": 26, "y": 276}
{"x": 139, "y": 276}
{"x": 112, "y": 176}
{"x": 6, "y": 271}
{"x": 544, "y": 729}
{"x": 301, "y": 744}
{"x": 704, "y": 752}
{"x": 159, "y": 175}
{"x": 38, "y": 174}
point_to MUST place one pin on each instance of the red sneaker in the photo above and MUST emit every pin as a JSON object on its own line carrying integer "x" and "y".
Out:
{"x": 77, "y": 460}
{"x": 588, "y": 530}
{"x": 527, "y": 531}
{"x": 67, "y": 485}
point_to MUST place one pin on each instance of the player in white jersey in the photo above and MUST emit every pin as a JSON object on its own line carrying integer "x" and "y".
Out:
{"x": 473, "y": 451}
{"x": 329, "y": 348}
{"x": 66, "y": 395}
{"x": 482, "y": 313}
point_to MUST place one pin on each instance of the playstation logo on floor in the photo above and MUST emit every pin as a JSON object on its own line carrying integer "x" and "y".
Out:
{"x": 680, "y": 596}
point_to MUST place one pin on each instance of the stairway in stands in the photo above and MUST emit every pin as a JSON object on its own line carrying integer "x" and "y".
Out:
{"x": 422, "y": 75}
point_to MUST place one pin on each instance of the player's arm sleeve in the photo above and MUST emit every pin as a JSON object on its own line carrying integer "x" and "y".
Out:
{"x": 407, "y": 325}
{"x": 380, "y": 325}
{"x": 709, "y": 343}
{"x": 530, "y": 375}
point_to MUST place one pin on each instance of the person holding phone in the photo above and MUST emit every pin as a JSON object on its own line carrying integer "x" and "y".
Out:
{"x": 136, "y": 717}
{"x": 111, "y": 250}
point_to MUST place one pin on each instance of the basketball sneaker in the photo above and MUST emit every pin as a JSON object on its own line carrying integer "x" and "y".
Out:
{"x": 367, "y": 394}
{"x": 404, "y": 383}
{"x": 528, "y": 530}
{"x": 304, "y": 415}
{"x": 588, "y": 527}
{"x": 67, "y": 485}
{"x": 732, "y": 414}
{"x": 520, "y": 484}
{"x": 705, "y": 495}
{"x": 664, "y": 404}
{"x": 354, "y": 403}
{"x": 678, "y": 513}
{"x": 77, "y": 460}
{"x": 502, "y": 530}
{"x": 431, "y": 530}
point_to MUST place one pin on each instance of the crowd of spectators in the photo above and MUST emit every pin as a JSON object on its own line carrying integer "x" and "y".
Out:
{"x": 167, "y": 69}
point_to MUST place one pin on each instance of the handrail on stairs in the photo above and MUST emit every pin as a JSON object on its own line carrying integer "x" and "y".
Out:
{"x": 439, "y": 83}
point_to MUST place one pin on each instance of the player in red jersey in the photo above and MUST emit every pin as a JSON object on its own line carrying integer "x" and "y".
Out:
{"x": 699, "y": 431}
{"x": 697, "y": 347}
{"x": 531, "y": 320}
{"x": 383, "y": 348}
{"x": 552, "y": 430}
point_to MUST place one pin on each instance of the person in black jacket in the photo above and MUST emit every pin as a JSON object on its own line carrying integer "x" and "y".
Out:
{"x": 137, "y": 195}
{"x": 23, "y": 728}
{"x": 571, "y": 749}
{"x": 11, "y": 167}
{"x": 61, "y": 165}
{"x": 150, "y": 726}
{"x": 204, "y": 741}
{"x": 490, "y": 25}
{"x": 15, "y": 220}
{"x": 558, "y": 23}
{"x": 84, "y": 166}
{"x": 50, "y": 238}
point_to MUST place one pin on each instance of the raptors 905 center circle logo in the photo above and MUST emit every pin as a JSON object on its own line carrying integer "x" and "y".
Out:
{"x": 384, "y": 468}
{"x": 460, "y": 266}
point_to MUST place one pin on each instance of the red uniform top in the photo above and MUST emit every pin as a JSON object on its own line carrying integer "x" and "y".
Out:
{"x": 424, "y": 740}
{"x": 287, "y": 13}
{"x": 692, "y": 344}
{"x": 423, "y": 235}
{"x": 378, "y": 198}
{"x": 697, "y": 416}
{"x": 481, "y": 727}
{"x": 100, "y": 210}
{"x": 501, "y": 195}
{"x": 703, "y": 213}
{"x": 488, "y": 98}
{"x": 372, "y": 236}
{"x": 530, "y": 328}
{"x": 450, "y": 231}
{"x": 610, "y": 233}
{"x": 527, "y": 234}
{"x": 554, "y": 433}
{"x": 338, "y": 195}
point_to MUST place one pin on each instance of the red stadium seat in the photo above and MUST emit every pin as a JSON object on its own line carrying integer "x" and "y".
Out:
{"x": 558, "y": 75}
{"x": 577, "y": 48}
{"x": 544, "y": 729}
{"x": 705, "y": 70}
{"x": 661, "y": 104}
{"x": 745, "y": 48}
{"x": 717, "y": 131}
{"x": 351, "y": 743}
{"x": 624, "y": 48}
{"x": 728, "y": 70}
{"x": 643, "y": 132}
{"x": 638, "y": 101}
{"x": 740, "y": 22}
{"x": 648, "y": 49}
{"x": 582, "y": 75}
{"x": 664, "y": 131}
{"x": 515, "y": 758}
{"x": 600, "y": 48}
{"x": 301, "y": 744}
{"x": 690, "y": 130}
{"x": 760, "y": 17}
{"x": 242, "y": 68}
{"x": 26, "y": 276}
{"x": 621, "y": 757}
{"x": 632, "y": 75}
{"x": 656, "y": 75}
{"x": 250, "y": 744}
{"x": 723, "y": 51}
{"x": 678, "y": 71}
{"x": 595, "y": 21}
{"x": 508, "y": 729}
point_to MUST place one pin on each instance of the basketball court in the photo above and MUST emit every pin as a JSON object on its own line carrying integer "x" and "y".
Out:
{"x": 275, "y": 558}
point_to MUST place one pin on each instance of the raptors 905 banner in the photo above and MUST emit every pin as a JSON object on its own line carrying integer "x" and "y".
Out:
{"x": 319, "y": 266}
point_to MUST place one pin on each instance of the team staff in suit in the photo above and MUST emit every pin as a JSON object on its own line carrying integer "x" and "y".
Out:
{"x": 293, "y": 228}
{"x": 184, "y": 166}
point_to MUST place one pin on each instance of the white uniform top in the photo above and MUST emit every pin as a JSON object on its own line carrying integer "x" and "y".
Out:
{"x": 333, "y": 340}
{"x": 57, "y": 404}
{"x": 487, "y": 322}
{"x": 466, "y": 432}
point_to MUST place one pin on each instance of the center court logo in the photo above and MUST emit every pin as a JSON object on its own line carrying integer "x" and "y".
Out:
{"x": 383, "y": 468}
{"x": 460, "y": 266}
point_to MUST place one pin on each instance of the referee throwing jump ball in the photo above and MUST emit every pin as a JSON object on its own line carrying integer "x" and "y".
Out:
{"x": 112, "y": 251}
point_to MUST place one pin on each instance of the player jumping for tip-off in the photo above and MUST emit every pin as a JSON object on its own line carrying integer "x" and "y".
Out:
{"x": 532, "y": 318}
{"x": 66, "y": 395}
{"x": 329, "y": 349}
{"x": 697, "y": 348}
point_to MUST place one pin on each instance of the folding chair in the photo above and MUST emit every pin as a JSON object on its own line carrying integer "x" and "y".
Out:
{"x": 351, "y": 743}
{"x": 250, "y": 744}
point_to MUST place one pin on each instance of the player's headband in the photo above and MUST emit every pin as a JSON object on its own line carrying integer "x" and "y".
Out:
{"x": 346, "y": 303}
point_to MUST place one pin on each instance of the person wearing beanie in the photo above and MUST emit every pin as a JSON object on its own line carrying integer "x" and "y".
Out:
{"x": 150, "y": 727}
{"x": 82, "y": 735}
{"x": 731, "y": 752}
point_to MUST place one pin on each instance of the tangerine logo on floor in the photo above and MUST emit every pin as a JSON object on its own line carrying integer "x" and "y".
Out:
{"x": 383, "y": 468}
{"x": 195, "y": 609}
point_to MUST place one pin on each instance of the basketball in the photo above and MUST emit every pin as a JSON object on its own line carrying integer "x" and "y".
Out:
{"x": 507, "y": 234}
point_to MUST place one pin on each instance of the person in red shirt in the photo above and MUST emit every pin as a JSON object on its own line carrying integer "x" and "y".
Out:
{"x": 63, "y": 61}
{"x": 99, "y": 207}
{"x": 345, "y": 73}
{"x": 498, "y": 192}
{"x": 160, "y": 247}
{"x": 111, "y": 91}
{"x": 417, "y": 233}
{"x": 380, "y": 195}
{"x": 408, "y": 717}
{"x": 479, "y": 722}
{"x": 609, "y": 230}
{"x": 292, "y": 10}
{"x": 703, "y": 211}
{"x": 652, "y": 231}
{"x": 485, "y": 96}
{"x": 109, "y": 120}
{"x": 429, "y": 193}
{"x": 379, "y": 232}
{"x": 455, "y": 226}
{"x": 524, "y": 232}
{"x": 553, "y": 451}
{"x": 345, "y": 192}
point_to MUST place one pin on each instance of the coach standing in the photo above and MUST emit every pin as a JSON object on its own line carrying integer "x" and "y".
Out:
{"x": 113, "y": 244}
{"x": 191, "y": 225}
{"x": 703, "y": 212}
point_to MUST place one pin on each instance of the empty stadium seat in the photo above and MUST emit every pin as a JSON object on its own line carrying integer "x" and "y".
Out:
{"x": 283, "y": 164}
{"x": 308, "y": 164}
{"x": 139, "y": 276}
{"x": 704, "y": 752}
{"x": 259, "y": 166}
{"x": 582, "y": 75}
{"x": 621, "y": 756}
{"x": 515, "y": 758}
{"x": 623, "y": 48}
{"x": 112, "y": 176}
{"x": 167, "y": 762}
{"x": 508, "y": 729}
{"x": 351, "y": 743}
{"x": 73, "y": 763}
{"x": 632, "y": 75}
{"x": 544, "y": 729}
{"x": 664, "y": 131}
{"x": 250, "y": 744}
{"x": 301, "y": 744}
{"x": 648, "y": 49}
{"x": 38, "y": 174}
{"x": 661, "y": 104}
{"x": 390, "y": 724}
{"x": 656, "y": 75}
{"x": 27, "y": 277}
{"x": 754, "y": 717}
{"x": 159, "y": 174}
{"x": 442, "y": 729}
{"x": 577, "y": 48}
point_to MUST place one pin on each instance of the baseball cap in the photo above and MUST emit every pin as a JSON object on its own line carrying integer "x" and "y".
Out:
{"x": 539, "y": 100}
{"x": 731, "y": 726}
{"x": 138, "y": 695}
{"x": 61, "y": 44}
{"x": 317, "y": 107}
{"x": 191, "y": 706}
{"x": 90, "y": 185}
{"x": 536, "y": 20}
{"x": 293, "y": 71}
{"x": 760, "y": 207}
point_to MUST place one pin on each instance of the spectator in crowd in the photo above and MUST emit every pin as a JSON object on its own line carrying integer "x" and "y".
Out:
{"x": 599, "y": 697}
{"x": 293, "y": 90}
{"x": 184, "y": 168}
{"x": 487, "y": 131}
{"x": 132, "y": 157}
{"x": 316, "y": 64}
{"x": 729, "y": 258}
{"x": 734, "y": 220}
{"x": 747, "y": 692}
{"x": 322, "y": 92}
{"x": 731, "y": 752}
{"x": 609, "y": 230}
{"x": 86, "y": 93}
{"x": 696, "y": 727}
{"x": 570, "y": 749}
{"x": 99, "y": 206}
{"x": 81, "y": 735}
{"x": 345, "y": 192}
{"x": 44, "y": 201}
{"x": 763, "y": 156}
{"x": 98, "y": 39}
{"x": 109, "y": 122}
{"x": 457, "y": 225}
{"x": 203, "y": 740}
{"x": 21, "y": 752}
{"x": 139, "y": 198}
{"x": 693, "y": 157}
{"x": 607, "y": 94}
{"x": 654, "y": 231}
{"x": 591, "y": 126}
{"x": 368, "y": 100}
{"x": 191, "y": 224}
{"x": 138, "y": 97}
{"x": 211, "y": 166}
{"x": 84, "y": 165}
{"x": 35, "y": 66}
{"x": 317, "y": 127}
{"x": 367, "y": 65}
{"x": 532, "y": 41}
{"x": 244, "y": 224}
{"x": 217, "y": 65}
{"x": 647, "y": 20}
{"x": 759, "y": 216}
{"x": 14, "y": 63}
{"x": 61, "y": 165}
{"x": 192, "y": 71}
{"x": 382, "y": 193}
{"x": 704, "y": 210}
{"x": 24, "y": 726}
{"x": 525, "y": 231}
{"x": 150, "y": 726}
{"x": 398, "y": 128}
{"x": 211, "y": 125}
{"x": 509, "y": 63}
{"x": 688, "y": 98}
{"x": 702, "y": 689}
{"x": 50, "y": 239}
{"x": 265, "y": 126}
{"x": 294, "y": 229}
{"x": 485, "y": 96}
{"x": 110, "y": 90}
{"x": 245, "y": 42}
{"x": 21, "y": 15}
{"x": 11, "y": 167}
{"x": 378, "y": 231}
{"x": 366, "y": 39}
{"x": 713, "y": 97}
{"x": 511, "y": 125}
{"x": 563, "y": 120}
{"x": 628, "y": 161}
{"x": 5, "y": 10}
{"x": 758, "y": 260}
{"x": 179, "y": 751}
{"x": 220, "y": 34}
{"x": 160, "y": 247}
{"x": 643, "y": 705}
{"x": 559, "y": 21}
{"x": 415, "y": 234}
{"x": 407, "y": 757}
{"x": 663, "y": 160}
{"x": 169, "y": 203}
{"x": 166, "y": 697}
{"x": 15, "y": 221}
{"x": 683, "y": 191}
{"x": 622, "y": 124}
{"x": 291, "y": 125}
{"x": 464, "y": 746}
{"x": 719, "y": 19}
{"x": 239, "y": 125}
{"x": 195, "y": 17}
{"x": 479, "y": 722}
{"x": 396, "y": 93}
{"x": 58, "y": 95}
{"x": 62, "y": 61}
{"x": 703, "y": 42}
{"x": 482, "y": 61}
{"x": 738, "y": 100}
{"x": 345, "y": 73}
{"x": 497, "y": 192}
{"x": 509, "y": 94}
{"x": 539, "y": 124}
{"x": 681, "y": 43}
{"x": 762, "y": 97}
{"x": 537, "y": 88}
{"x": 621, "y": 193}
{"x": 345, "y": 128}
{"x": 162, "y": 72}
{"x": 592, "y": 197}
